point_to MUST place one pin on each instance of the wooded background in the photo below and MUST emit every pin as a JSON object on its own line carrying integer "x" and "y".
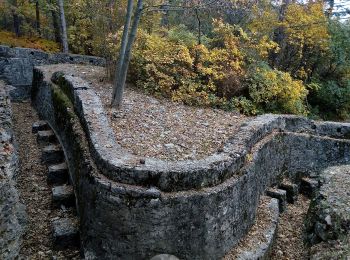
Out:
{"x": 253, "y": 56}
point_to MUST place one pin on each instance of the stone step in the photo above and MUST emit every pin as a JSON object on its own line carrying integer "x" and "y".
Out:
{"x": 65, "y": 233}
{"x": 52, "y": 154}
{"x": 308, "y": 186}
{"x": 40, "y": 126}
{"x": 46, "y": 137}
{"x": 58, "y": 174}
{"x": 63, "y": 195}
{"x": 281, "y": 195}
{"x": 292, "y": 191}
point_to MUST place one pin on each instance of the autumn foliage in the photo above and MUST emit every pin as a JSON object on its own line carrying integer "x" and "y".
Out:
{"x": 252, "y": 56}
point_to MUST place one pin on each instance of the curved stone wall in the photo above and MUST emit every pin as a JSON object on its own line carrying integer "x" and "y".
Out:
{"x": 191, "y": 209}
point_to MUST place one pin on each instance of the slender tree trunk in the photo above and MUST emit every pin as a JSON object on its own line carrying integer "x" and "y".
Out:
{"x": 111, "y": 6}
{"x": 122, "y": 72}
{"x": 123, "y": 48}
{"x": 56, "y": 27}
{"x": 279, "y": 35}
{"x": 199, "y": 28}
{"x": 16, "y": 24}
{"x": 16, "y": 20}
{"x": 55, "y": 23}
{"x": 165, "y": 17}
{"x": 37, "y": 16}
{"x": 63, "y": 27}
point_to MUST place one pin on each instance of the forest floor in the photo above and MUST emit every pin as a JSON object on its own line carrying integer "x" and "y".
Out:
{"x": 157, "y": 127}
{"x": 289, "y": 241}
{"x": 35, "y": 193}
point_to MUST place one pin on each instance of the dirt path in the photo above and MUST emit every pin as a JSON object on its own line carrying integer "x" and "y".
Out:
{"x": 289, "y": 241}
{"x": 35, "y": 193}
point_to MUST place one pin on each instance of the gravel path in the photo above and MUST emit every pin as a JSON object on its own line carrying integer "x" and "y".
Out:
{"x": 35, "y": 193}
{"x": 157, "y": 127}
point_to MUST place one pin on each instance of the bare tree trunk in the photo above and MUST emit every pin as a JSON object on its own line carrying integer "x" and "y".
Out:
{"x": 16, "y": 20}
{"x": 56, "y": 26}
{"x": 37, "y": 16}
{"x": 123, "y": 70}
{"x": 199, "y": 28}
{"x": 279, "y": 35}
{"x": 63, "y": 27}
{"x": 111, "y": 6}
{"x": 123, "y": 46}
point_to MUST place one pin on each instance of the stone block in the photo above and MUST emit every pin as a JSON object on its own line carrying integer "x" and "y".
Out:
{"x": 292, "y": 191}
{"x": 18, "y": 71}
{"x": 281, "y": 195}
{"x": 52, "y": 154}
{"x": 58, "y": 174}
{"x": 65, "y": 233}
{"x": 40, "y": 126}
{"x": 46, "y": 137}
{"x": 308, "y": 186}
{"x": 63, "y": 195}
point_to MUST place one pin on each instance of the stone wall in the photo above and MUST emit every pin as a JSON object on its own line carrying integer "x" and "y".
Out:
{"x": 16, "y": 66}
{"x": 12, "y": 213}
{"x": 135, "y": 209}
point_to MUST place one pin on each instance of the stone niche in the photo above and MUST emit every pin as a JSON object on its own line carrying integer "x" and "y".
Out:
{"x": 191, "y": 209}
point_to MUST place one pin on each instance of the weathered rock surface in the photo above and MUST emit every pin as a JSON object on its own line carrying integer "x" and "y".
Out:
{"x": 58, "y": 174}
{"x": 292, "y": 191}
{"x": 64, "y": 195}
{"x": 280, "y": 195}
{"x": 328, "y": 219}
{"x": 12, "y": 212}
{"x": 65, "y": 233}
{"x": 52, "y": 154}
{"x": 46, "y": 137}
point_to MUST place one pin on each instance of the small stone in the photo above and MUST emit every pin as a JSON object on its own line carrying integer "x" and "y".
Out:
{"x": 328, "y": 220}
{"x": 142, "y": 161}
{"x": 65, "y": 233}
{"x": 52, "y": 154}
{"x": 63, "y": 195}
{"x": 292, "y": 191}
{"x": 58, "y": 174}
{"x": 46, "y": 137}
{"x": 169, "y": 146}
{"x": 40, "y": 126}
{"x": 308, "y": 186}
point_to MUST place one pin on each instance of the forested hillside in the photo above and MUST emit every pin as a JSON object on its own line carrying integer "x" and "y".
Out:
{"x": 253, "y": 56}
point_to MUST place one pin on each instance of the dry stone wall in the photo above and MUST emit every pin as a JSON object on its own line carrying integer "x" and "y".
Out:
{"x": 191, "y": 209}
{"x": 12, "y": 212}
{"x": 16, "y": 66}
